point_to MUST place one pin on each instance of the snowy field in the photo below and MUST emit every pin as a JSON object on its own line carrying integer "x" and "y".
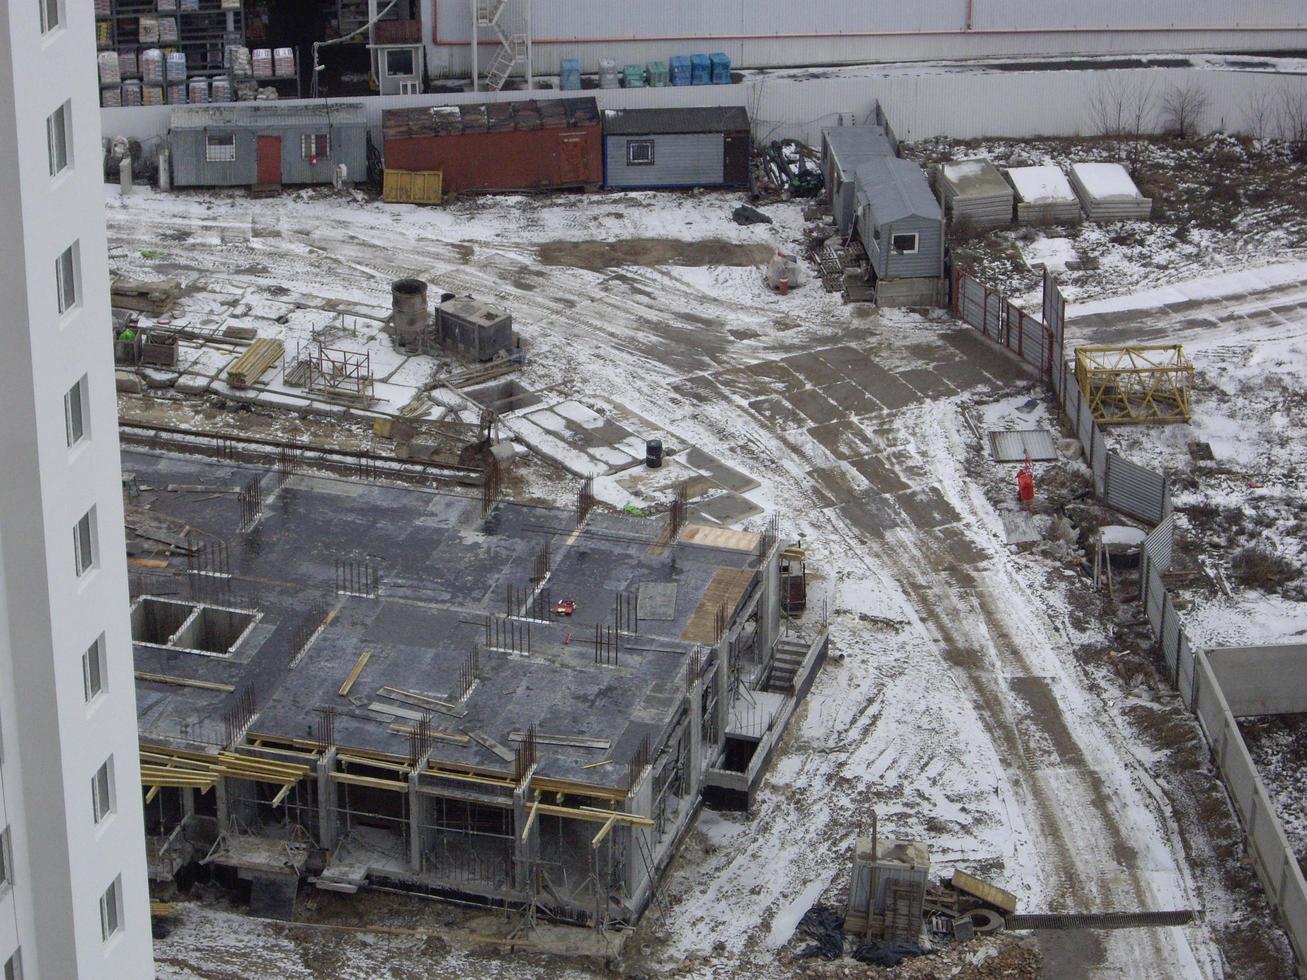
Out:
{"x": 969, "y": 705}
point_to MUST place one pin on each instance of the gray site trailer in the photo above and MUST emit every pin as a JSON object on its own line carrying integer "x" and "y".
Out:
{"x": 682, "y": 147}
{"x": 843, "y": 150}
{"x": 900, "y": 224}
{"x": 267, "y": 144}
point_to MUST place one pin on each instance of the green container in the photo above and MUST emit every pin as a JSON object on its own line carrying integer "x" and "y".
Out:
{"x": 633, "y": 76}
{"x": 658, "y": 77}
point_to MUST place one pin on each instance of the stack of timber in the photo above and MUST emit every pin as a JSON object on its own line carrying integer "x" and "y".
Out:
{"x": 1107, "y": 193}
{"x": 1044, "y": 196}
{"x": 156, "y": 298}
{"x": 250, "y": 366}
{"x": 974, "y": 191}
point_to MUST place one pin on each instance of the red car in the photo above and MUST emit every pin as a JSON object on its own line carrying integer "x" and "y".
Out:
{"x": 565, "y": 607}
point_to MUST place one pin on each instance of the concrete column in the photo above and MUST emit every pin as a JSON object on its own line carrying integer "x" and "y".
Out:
{"x": 640, "y": 852}
{"x": 769, "y": 603}
{"x": 188, "y": 803}
{"x": 414, "y": 824}
{"x": 723, "y": 694}
{"x": 220, "y": 801}
{"x": 695, "y": 763}
{"x": 522, "y": 851}
{"x": 327, "y": 800}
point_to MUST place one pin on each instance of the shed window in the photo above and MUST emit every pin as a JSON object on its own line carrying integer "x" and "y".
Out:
{"x": 315, "y": 146}
{"x": 904, "y": 244}
{"x": 640, "y": 153}
{"x": 399, "y": 62}
{"x": 220, "y": 148}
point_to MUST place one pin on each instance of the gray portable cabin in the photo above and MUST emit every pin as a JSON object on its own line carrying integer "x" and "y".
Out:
{"x": 843, "y": 150}
{"x": 263, "y": 143}
{"x": 899, "y": 222}
{"x": 685, "y": 147}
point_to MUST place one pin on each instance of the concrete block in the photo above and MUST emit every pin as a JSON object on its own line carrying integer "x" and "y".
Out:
{"x": 129, "y": 382}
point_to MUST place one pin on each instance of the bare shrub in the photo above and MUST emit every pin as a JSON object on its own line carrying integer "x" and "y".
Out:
{"x": 1183, "y": 109}
{"x": 1256, "y": 567}
{"x": 1259, "y": 115}
{"x": 1291, "y": 115}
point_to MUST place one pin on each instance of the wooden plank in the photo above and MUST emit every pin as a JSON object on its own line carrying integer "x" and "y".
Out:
{"x": 595, "y": 816}
{"x": 142, "y": 675}
{"x": 412, "y": 697}
{"x": 720, "y": 537}
{"x": 390, "y": 709}
{"x": 530, "y": 819}
{"x": 491, "y": 744}
{"x": 147, "y": 562}
{"x": 596, "y": 765}
{"x": 724, "y": 589}
{"x": 402, "y": 729}
{"x": 603, "y": 831}
{"x": 577, "y": 741}
{"x": 371, "y": 782}
{"x": 354, "y": 674}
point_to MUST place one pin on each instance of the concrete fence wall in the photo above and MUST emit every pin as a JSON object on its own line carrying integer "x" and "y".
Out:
{"x": 1266, "y": 680}
{"x": 963, "y": 104}
{"x": 1276, "y": 865}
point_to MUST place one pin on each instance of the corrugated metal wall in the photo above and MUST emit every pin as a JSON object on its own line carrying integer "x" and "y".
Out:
{"x": 191, "y": 168}
{"x": 967, "y": 104}
{"x": 777, "y": 33}
{"x": 680, "y": 160}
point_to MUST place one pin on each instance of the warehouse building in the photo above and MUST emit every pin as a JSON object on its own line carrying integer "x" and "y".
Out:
{"x": 364, "y": 684}
{"x": 264, "y": 144}
{"x": 676, "y": 147}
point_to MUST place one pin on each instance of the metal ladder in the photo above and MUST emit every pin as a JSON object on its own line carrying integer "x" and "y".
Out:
{"x": 512, "y": 52}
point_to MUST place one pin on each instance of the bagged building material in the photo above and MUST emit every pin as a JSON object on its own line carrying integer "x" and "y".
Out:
{"x": 247, "y": 89}
{"x": 975, "y": 192}
{"x": 261, "y": 61}
{"x": 102, "y": 33}
{"x": 131, "y": 93}
{"x": 633, "y": 76}
{"x": 1107, "y": 193}
{"x": 152, "y": 95}
{"x": 658, "y": 76}
{"x": 152, "y": 66}
{"x": 283, "y": 62}
{"x": 700, "y": 70}
{"x": 608, "y": 73}
{"x": 238, "y": 61}
{"x": 111, "y": 97}
{"x": 104, "y": 8}
{"x": 221, "y": 90}
{"x": 168, "y": 30}
{"x": 129, "y": 64}
{"x": 569, "y": 78}
{"x": 190, "y": 6}
{"x": 175, "y": 67}
{"x": 167, "y": 6}
{"x": 679, "y": 68}
{"x": 147, "y": 30}
{"x": 110, "y": 73}
{"x": 197, "y": 91}
{"x": 719, "y": 69}
{"x": 177, "y": 93}
{"x": 1044, "y": 196}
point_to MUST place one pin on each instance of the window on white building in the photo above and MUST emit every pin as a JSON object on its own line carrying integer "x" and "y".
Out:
{"x": 6, "y": 860}
{"x": 220, "y": 148}
{"x": 14, "y": 966}
{"x": 75, "y": 412}
{"x": 111, "y": 909}
{"x": 50, "y": 19}
{"x": 315, "y": 146}
{"x": 65, "y": 273}
{"x": 58, "y": 133}
{"x": 399, "y": 63}
{"x": 640, "y": 153}
{"x": 102, "y": 790}
{"x": 93, "y": 669}
{"x": 84, "y": 549}
{"x": 905, "y": 244}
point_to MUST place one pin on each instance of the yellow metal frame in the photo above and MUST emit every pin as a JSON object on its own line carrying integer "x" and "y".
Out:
{"x": 412, "y": 186}
{"x": 1136, "y": 385}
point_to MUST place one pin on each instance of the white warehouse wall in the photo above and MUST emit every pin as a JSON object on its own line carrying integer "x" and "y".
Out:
{"x": 53, "y": 740}
{"x": 781, "y": 33}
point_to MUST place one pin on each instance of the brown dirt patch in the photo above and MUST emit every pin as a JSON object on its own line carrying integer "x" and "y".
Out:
{"x": 651, "y": 251}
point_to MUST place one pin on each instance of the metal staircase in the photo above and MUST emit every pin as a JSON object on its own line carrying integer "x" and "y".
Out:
{"x": 512, "y": 47}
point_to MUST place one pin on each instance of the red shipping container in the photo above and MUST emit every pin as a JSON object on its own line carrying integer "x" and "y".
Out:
{"x": 521, "y": 156}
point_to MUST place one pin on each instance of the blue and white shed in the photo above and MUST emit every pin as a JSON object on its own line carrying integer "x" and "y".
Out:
{"x": 684, "y": 147}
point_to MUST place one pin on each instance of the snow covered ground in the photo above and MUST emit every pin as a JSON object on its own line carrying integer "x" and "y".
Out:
{"x": 966, "y": 708}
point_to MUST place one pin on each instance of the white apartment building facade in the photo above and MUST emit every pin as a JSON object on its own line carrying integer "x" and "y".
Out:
{"x": 73, "y": 893}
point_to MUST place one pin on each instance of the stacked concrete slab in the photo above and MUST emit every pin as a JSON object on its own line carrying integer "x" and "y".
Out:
{"x": 975, "y": 191}
{"x": 1044, "y": 196}
{"x": 1107, "y": 193}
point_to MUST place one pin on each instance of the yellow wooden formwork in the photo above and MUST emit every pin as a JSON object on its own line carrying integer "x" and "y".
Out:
{"x": 412, "y": 186}
{"x": 1135, "y": 385}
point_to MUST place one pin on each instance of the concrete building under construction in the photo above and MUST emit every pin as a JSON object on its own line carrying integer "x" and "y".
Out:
{"x": 357, "y": 684}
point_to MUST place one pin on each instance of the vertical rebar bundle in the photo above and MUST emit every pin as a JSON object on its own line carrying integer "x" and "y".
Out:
{"x": 490, "y": 485}
{"x": 208, "y": 569}
{"x": 524, "y": 756}
{"x": 508, "y": 633}
{"x": 250, "y": 498}
{"x": 357, "y": 578}
{"x": 679, "y": 512}
{"x": 638, "y": 763}
{"x": 467, "y": 675}
{"x": 303, "y": 632}
{"x": 325, "y": 727}
{"x": 585, "y": 499}
{"x": 239, "y": 714}
{"x": 626, "y": 612}
{"x": 607, "y": 645}
{"x": 542, "y": 564}
{"x": 419, "y": 740}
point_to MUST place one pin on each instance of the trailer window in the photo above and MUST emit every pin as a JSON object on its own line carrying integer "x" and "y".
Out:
{"x": 399, "y": 62}
{"x": 640, "y": 153}
{"x": 904, "y": 244}
{"x": 220, "y": 149}
{"x": 315, "y": 146}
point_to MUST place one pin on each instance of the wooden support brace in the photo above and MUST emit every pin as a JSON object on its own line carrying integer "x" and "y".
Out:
{"x": 603, "y": 831}
{"x": 354, "y": 675}
{"x": 530, "y": 819}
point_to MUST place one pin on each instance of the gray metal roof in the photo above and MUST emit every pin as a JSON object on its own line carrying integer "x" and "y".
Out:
{"x": 851, "y": 145}
{"x": 895, "y": 189}
{"x": 258, "y": 114}
{"x": 695, "y": 119}
{"x": 1013, "y": 447}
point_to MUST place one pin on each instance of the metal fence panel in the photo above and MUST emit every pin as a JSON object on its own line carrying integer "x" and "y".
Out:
{"x": 1134, "y": 490}
{"x": 1034, "y": 347}
{"x": 1156, "y": 598}
{"x": 971, "y": 302}
{"x": 1160, "y": 543}
{"x": 1184, "y": 672}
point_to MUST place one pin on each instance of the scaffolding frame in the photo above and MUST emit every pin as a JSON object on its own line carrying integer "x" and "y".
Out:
{"x": 340, "y": 373}
{"x": 1136, "y": 385}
